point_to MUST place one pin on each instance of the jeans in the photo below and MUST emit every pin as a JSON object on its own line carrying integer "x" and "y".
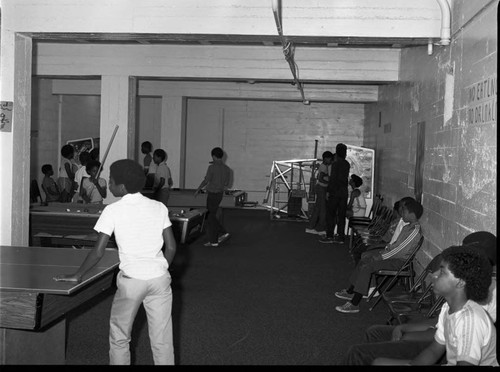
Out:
{"x": 378, "y": 344}
{"x": 318, "y": 218}
{"x": 156, "y": 296}
{"x": 336, "y": 207}
{"x": 361, "y": 275}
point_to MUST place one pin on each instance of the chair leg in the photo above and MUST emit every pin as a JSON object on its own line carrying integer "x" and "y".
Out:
{"x": 376, "y": 302}
{"x": 378, "y": 286}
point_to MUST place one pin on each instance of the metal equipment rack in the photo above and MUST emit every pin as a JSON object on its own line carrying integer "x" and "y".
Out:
{"x": 288, "y": 179}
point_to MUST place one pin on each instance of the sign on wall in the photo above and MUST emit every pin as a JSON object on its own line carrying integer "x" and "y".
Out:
{"x": 6, "y": 116}
{"x": 481, "y": 101}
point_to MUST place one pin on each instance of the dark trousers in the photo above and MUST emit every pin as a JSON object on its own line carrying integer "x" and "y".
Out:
{"x": 163, "y": 195}
{"x": 336, "y": 207}
{"x": 214, "y": 227}
{"x": 379, "y": 345}
{"x": 361, "y": 275}
{"x": 318, "y": 218}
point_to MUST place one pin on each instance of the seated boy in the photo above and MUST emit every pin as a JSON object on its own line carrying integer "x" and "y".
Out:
{"x": 389, "y": 258}
{"x": 406, "y": 341}
{"x": 390, "y": 235}
{"x": 49, "y": 185}
{"x": 465, "y": 332}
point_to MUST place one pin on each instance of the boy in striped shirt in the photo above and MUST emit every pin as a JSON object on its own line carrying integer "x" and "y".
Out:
{"x": 389, "y": 258}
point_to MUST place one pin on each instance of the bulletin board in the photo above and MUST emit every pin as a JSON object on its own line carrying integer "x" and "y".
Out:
{"x": 362, "y": 161}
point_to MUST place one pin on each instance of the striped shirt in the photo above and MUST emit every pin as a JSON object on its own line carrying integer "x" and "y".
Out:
{"x": 469, "y": 335}
{"x": 404, "y": 244}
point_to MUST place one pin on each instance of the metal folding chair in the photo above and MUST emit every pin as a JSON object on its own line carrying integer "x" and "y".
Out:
{"x": 405, "y": 272}
{"x": 419, "y": 292}
{"x": 402, "y": 314}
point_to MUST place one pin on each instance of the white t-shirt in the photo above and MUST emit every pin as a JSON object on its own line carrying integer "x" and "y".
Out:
{"x": 397, "y": 231}
{"x": 91, "y": 190}
{"x": 80, "y": 173}
{"x": 162, "y": 171}
{"x": 138, "y": 223}
{"x": 469, "y": 335}
{"x": 359, "y": 205}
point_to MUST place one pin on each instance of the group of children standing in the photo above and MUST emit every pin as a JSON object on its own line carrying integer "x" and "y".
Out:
{"x": 77, "y": 182}
{"x": 356, "y": 204}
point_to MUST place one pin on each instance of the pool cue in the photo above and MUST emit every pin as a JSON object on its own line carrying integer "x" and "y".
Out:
{"x": 107, "y": 150}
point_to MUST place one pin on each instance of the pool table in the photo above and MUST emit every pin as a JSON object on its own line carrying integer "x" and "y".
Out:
{"x": 185, "y": 198}
{"x": 73, "y": 224}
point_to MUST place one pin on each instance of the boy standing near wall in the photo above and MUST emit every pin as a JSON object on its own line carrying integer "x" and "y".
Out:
{"x": 337, "y": 195}
{"x": 317, "y": 222}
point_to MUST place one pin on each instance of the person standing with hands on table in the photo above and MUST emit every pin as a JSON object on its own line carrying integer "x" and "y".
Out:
{"x": 146, "y": 248}
{"x": 216, "y": 182}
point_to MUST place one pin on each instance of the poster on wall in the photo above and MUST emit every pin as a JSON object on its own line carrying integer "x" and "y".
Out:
{"x": 362, "y": 161}
{"x": 84, "y": 144}
{"x": 6, "y": 116}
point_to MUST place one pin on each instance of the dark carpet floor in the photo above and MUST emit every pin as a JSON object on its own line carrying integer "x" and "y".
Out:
{"x": 265, "y": 297}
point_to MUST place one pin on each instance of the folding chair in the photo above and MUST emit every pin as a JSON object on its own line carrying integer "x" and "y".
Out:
{"x": 372, "y": 233}
{"x": 374, "y": 210}
{"x": 419, "y": 294}
{"x": 405, "y": 272}
{"x": 35, "y": 192}
{"x": 402, "y": 314}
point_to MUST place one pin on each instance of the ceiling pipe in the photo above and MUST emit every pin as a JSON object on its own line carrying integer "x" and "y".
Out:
{"x": 445, "y": 22}
{"x": 288, "y": 49}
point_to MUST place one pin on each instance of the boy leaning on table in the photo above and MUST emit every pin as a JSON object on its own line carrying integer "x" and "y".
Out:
{"x": 142, "y": 228}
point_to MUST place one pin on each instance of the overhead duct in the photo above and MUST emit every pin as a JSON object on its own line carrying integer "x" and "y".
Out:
{"x": 288, "y": 50}
{"x": 445, "y": 22}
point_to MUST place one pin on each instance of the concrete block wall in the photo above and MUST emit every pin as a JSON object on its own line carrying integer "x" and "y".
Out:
{"x": 453, "y": 91}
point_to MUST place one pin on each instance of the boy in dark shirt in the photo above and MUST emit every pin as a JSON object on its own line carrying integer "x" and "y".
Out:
{"x": 49, "y": 186}
{"x": 216, "y": 181}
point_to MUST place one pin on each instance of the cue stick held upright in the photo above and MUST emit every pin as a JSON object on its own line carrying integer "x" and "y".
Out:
{"x": 107, "y": 150}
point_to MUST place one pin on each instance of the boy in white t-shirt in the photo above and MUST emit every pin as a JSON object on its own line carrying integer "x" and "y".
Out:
{"x": 465, "y": 331}
{"x": 141, "y": 227}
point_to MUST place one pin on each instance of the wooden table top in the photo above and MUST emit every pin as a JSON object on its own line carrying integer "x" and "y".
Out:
{"x": 32, "y": 269}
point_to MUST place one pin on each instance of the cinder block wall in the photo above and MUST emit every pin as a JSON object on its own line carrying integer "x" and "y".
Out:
{"x": 453, "y": 91}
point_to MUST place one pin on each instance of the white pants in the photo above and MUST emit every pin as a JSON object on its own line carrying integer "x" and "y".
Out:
{"x": 156, "y": 295}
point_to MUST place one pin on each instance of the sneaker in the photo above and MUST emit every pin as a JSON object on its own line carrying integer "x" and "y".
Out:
{"x": 344, "y": 295}
{"x": 338, "y": 239}
{"x": 311, "y": 231}
{"x": 326, "y": 239}
{"x": 321, "y": 232}
{"x": 370, "y": 292}
{"x": 224, "y": 237}
{"x": 208, "y": 244}
{"x": 347, "y": 308}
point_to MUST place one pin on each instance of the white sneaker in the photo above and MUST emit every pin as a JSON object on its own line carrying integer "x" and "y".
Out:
{"x": 321, "y": 232}
{"x": 311, "y": 231}
{"x": 370, "y": 292}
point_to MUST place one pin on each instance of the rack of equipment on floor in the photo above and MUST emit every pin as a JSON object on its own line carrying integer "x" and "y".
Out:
{"x": 289, "y": 190}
